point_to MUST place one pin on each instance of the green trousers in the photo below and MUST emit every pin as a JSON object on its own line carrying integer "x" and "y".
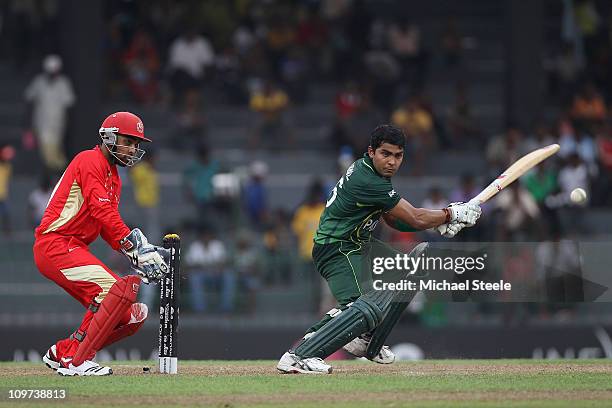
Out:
{"x": 340, "y": 264}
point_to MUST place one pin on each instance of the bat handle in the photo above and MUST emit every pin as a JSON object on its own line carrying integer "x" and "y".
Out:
{"x": 475, "y": 200}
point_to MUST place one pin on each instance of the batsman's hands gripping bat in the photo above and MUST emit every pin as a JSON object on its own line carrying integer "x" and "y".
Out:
{"x": 464, "y": 213}
{"x": 148, "y": 260}
{"x": 450, "y": 229}
{"x": 461, "y": 215}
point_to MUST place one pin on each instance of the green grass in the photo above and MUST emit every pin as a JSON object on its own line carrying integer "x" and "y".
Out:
{"x": 431, "y": 383}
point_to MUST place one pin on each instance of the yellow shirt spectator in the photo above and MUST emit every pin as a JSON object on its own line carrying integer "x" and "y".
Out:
{"x": 304, "y": 225}
{"x": 5, "y": 176}
{"x": 146, "y": 185}
{"x": 413, "y": 122}
{"x": 269, "y": 103}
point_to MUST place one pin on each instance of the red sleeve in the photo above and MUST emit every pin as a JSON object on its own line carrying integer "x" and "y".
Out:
{"x": 99, "y": 203}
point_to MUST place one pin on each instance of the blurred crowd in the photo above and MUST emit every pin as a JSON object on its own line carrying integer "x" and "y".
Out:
{"x": 187, "y": 56}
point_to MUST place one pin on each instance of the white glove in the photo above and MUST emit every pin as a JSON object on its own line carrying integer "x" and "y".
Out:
{"x": 450, "y": 229}
{"x": 465, "y": 213}
{"x": 146, "y": 259}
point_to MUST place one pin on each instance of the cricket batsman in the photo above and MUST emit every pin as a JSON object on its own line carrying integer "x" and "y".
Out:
{"x": 361, "y": 197}
{"x": 84, "y": 204}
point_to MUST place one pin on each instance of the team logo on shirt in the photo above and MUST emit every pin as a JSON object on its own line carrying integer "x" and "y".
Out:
{"x": 391, "y": 193}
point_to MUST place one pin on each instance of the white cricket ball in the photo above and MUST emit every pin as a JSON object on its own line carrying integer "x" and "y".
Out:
{"x": 578, "y": 196}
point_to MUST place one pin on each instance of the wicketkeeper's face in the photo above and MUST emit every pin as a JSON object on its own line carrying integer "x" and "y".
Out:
{"x": 387, "y": 159}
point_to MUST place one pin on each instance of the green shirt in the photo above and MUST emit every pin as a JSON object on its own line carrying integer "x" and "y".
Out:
{"x": 356, "y": 204}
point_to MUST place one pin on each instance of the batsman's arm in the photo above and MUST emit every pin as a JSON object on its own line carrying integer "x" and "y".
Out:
{"x": 405, "y": 217}
{"x": 398, "y": 225}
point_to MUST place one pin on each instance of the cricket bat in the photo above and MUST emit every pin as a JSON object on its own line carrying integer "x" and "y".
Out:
{"x": 516, "y": 170}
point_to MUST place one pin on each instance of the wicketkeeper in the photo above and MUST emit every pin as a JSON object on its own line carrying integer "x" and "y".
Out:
{"x": 84, "y": 204}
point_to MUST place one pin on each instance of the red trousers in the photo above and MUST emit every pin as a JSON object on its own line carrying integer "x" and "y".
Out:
{"x": 68, "y": 262}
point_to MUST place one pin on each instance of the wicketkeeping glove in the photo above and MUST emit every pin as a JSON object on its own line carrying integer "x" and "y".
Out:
{"x": 465, "y": 213}
{"x": 148, "y": 260}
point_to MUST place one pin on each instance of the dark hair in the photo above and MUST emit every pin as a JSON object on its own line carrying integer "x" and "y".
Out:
{"x": 387, "y": 134}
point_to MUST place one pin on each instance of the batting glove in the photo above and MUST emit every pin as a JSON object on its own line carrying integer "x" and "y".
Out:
{"x": 451, "y": 229}
{"x": 465, "y": 213}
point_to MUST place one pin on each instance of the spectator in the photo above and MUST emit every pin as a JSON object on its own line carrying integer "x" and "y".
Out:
{"x": 451, "y": 43}
{"x": 588, "y": 106}
{"x": 229, "y": 76}
{"x": 519, "y": 213}
{"x": 190, "y": 122}
{"x": 405, "y": 44}
{"x": 567, "y": 138}
{"x": 349, "y": 100}
{"x": 38, "y": 199}
{"x": 270, "y": 104}
{"x": 243, "y": 38}
{"x": 541, "y": 182}
{"x": 6, "y": 169}
{"x": 278, "y": 247}
{"x": 141, "y": 61}
{"x": 247, "y": 266}
{"x": 573, "y": 175}
{"x": 462, "y": 125}
{"x": 197, "y": 183}
{"x": 418, "y": 126}
{"x": 255, "y": 194}
{"x": 49, "y": 97}
{"x": 603, "y": 186}
{"x": 294, "y": 70}
{"x": 189, "y": 57}
{"x": 146, "y": 193}
{"x": 206, "y": 264}
{"x": 564, "y": 73}
{"x": 306, "y": 220}
{"x": 504, "y": 150}
{"x": 466, "y": 190}
{"x": 280, "y": 37}
{"x": 304, "y": 225}
{"x": 313, "y": 35}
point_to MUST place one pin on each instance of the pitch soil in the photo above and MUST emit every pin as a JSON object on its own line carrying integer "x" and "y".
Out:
{"x": 254, "y": 369}
{"x": 406, "y": 369}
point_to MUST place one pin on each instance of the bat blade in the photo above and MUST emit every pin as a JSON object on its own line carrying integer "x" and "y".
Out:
{"x": 516, "y": 170}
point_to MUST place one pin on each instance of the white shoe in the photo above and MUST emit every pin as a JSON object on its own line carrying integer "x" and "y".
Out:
{"x": 50, "y": 358}
{"x": 88, "y": 368}
{"x": 292, "y": 364}
{"x": 359, "y": 346}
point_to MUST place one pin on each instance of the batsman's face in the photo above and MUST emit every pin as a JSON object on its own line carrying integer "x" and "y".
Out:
{"x": 387, "y": 159}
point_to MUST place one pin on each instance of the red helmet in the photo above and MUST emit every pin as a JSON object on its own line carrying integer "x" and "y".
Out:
{"x": 124, "y": 124}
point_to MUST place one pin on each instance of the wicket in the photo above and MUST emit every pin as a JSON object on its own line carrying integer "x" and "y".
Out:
{"x": 169, "y": 308}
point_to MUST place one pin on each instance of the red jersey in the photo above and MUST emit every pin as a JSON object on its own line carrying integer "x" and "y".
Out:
{"x": 85, "y": 202}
